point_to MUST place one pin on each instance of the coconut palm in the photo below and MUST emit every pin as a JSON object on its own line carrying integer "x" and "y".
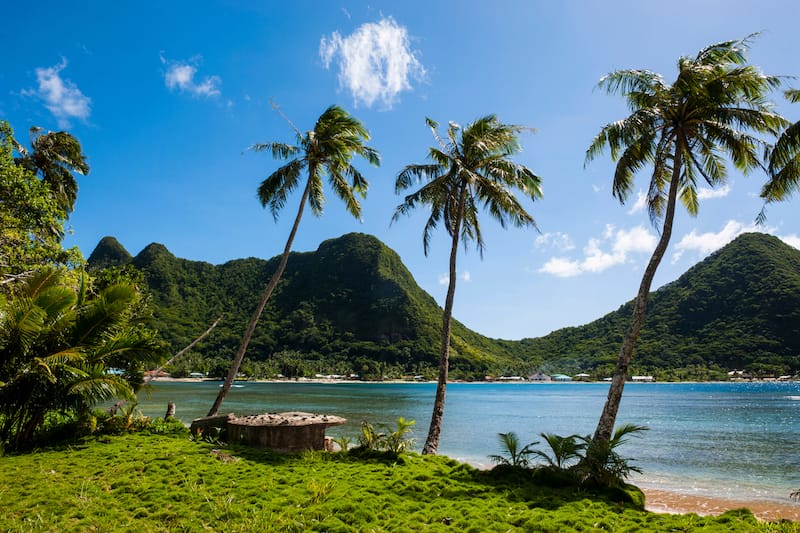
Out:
{"x": 469, "y": 168}
{"x": 328, "y": 149}
{"x": 513, "y": 454}
{"x": 562, "y": 450}
{"x": 716, "y": 107}
{"x": 55, "y": 156}
{"x": 784, "y": 161}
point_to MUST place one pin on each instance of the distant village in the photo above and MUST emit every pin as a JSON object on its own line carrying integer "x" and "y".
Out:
{"x": 537, "y": 377}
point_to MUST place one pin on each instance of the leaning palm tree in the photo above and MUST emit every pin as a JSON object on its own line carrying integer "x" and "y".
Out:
{"x": 328, "y": 149}
{"x": 716, "y": 107}
{"x": 470, "y": 168}
{"x": 55, "y": 156}
{"x": 784, "y": 161}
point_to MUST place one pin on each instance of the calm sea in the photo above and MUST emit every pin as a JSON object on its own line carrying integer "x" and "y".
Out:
{"x": 727, "y": 440}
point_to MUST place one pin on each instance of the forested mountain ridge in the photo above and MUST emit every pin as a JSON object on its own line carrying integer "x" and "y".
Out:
{"x": 351, "y": 305}
{"x": 738, "y": 308}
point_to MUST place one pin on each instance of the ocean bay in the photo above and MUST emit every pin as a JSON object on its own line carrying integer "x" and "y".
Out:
{"x": 735, "y": 441}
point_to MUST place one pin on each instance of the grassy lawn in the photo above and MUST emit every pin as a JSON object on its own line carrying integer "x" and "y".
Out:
{"x": 142, "y": 482}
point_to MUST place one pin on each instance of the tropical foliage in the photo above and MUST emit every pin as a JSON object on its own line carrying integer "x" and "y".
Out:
{"x": 784, "y": 161}
{"x": 512, "y": 453}
{"x": 31, "y": 218}
{"x": 392, "y": 441}
{"x": 327, "y": 150}
{"x": 572, "y": 460}
{"x": 469, "y": 169}
{"x": 59, "y": 345}
{"x": 715, "y": 108}
{"x": 55, "y": 156}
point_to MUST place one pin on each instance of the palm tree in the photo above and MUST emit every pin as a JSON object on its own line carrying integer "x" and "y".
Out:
{"x": 714, "y": 108}
{"x": 784, "y": 161}
{"x": 328, "y": 149}
{"x": 470, "y": 168}
{"x": 54, "y": 156}
{"x": 57, "y": 344}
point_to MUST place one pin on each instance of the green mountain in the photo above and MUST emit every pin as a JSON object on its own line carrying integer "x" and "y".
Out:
{"x": 349, "y": 306}
{"x": 352, "y": 306}
{"x": 738, "y": 308}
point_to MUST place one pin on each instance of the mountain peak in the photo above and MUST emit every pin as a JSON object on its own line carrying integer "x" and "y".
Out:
{"x": 108, "y": 252}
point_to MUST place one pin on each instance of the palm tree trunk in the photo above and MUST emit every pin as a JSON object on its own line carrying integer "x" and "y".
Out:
{"x": 432, "y": 441}
{"x": 251, "y": 326}
{"x": 608, "y": 417}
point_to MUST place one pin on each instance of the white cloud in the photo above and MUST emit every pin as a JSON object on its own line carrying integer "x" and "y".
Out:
{"x": 558, "y": 240}
{"x": 561, "y": 267}
{"x": 376, "y": 62}
{"x": 640, "y": 204}
{"x": 614, "y": 247}
{"x": 181, "y": 76}
{"x": 791, "y": 240}
{"x": 705, "y": 243}
{"x": 705, "y": 193}
{"x": 596, "y": 188}
{"x": 444, "y": 279}
{"x": 62, "y": 97}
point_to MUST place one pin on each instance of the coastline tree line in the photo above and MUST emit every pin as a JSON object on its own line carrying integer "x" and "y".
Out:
{"x": 63, "y": 330}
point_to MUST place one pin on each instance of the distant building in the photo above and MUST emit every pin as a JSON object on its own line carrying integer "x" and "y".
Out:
{"x": 642, "y": 379}
{"x": 198, "y": 375}
{"x": 561, "y": 377}
{"x": 539, "y": 376}
{"x": 583, "y": 377}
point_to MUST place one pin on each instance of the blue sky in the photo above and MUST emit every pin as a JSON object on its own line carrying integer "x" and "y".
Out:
{"x": 166, "y": 97}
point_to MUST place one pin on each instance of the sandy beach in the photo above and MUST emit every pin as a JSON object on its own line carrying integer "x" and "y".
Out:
{"x": 661, "y": 501}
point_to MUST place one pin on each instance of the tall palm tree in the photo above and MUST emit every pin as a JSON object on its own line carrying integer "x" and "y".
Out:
{"x": 784, "y": 161}
{"x": 471, "y": 167}
{"x": 715, "y": 108}
{"x": 55, "y": 156}
{"x": 328, "y": 149}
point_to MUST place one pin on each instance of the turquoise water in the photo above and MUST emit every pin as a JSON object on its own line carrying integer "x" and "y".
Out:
{"x": 728, "y": 440}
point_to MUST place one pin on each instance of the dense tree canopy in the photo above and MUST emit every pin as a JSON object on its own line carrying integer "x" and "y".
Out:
{"x": 31, "y": 218}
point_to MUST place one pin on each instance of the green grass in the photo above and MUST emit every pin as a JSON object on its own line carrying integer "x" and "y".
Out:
{"x": 141, "y": 482}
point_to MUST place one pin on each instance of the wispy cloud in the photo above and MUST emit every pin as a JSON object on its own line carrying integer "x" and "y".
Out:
{"x": 705, "y": 243}
{"x": 558, "y": 240}
{"x": 640, "y": 204}
{"x": 614, "y": 247}
{"x": 791, "y": 240}
{"x": 376, "y": 62}
{"x": 180, "y": 75}
{"x": 61, "y": 96}
{"x": 704, "y": 193}
{"x": 444, "y": 279}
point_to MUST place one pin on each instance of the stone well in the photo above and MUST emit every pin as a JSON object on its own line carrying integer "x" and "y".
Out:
{"x": 282, "y": 432}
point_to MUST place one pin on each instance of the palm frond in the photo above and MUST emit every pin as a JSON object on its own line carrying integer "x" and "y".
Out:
{"x": 275, "y": 189}
{"x": 278, "y": 150}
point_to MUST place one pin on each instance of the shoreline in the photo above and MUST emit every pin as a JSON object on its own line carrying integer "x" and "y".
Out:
{"x": 165, "y": 379}
{"x": 663, "y": 501}
{"x": 673, "y": 500}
